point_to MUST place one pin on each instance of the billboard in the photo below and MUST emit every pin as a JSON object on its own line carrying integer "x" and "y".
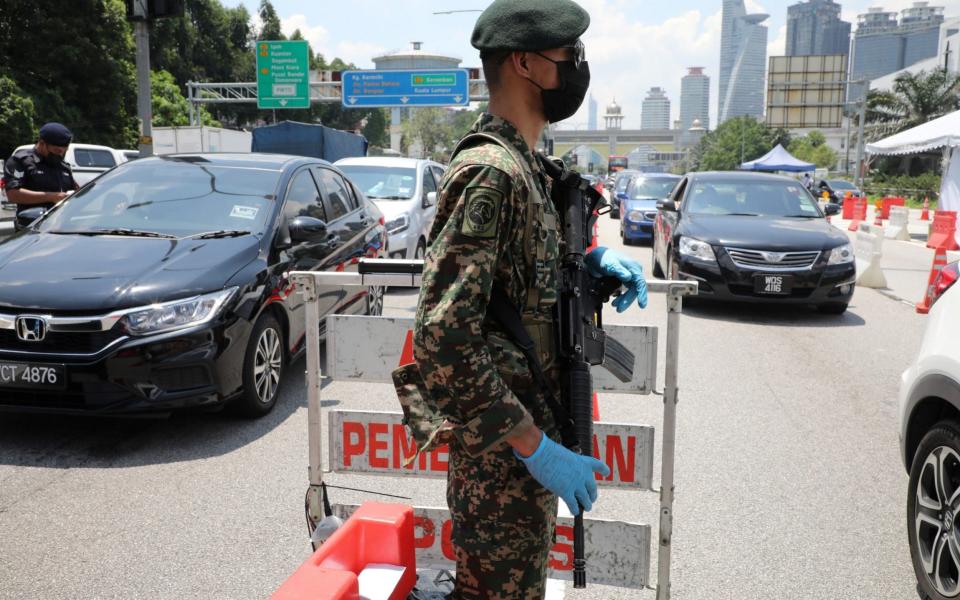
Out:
{"x": 806, "y": 92}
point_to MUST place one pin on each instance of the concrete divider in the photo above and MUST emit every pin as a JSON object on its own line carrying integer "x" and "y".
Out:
{"x": 897, "y": 226}
{"x": 869, "y": 250}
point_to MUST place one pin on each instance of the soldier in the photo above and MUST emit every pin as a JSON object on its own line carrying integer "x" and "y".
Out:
{"x": 38, "y": 176}
{"x": 497, "y": 229}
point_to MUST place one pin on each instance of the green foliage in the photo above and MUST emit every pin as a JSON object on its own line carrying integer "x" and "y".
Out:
{"x": 915, "y": 99}
{"x": 736, "y": 141}
{"x": 270, "y": 30}
{"x": 926, "y": 184}
{"x": 813, "y": 148}
{"x": 430, "y": 128}
{"x": 17, "y": 124}
{"x": 170, "y": 108}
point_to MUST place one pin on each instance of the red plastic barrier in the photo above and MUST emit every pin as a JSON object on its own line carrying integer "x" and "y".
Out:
{"x": 859, "y": 213}
{"x": 376, "y": 534}
{"x": 848, "y": 204}
{"x": 939, "y": 262}
{"x": 943, "y": 230}
{"x": 887, "y": 203}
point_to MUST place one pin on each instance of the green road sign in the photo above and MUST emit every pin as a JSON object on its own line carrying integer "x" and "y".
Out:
{"x": 283, "y": 74}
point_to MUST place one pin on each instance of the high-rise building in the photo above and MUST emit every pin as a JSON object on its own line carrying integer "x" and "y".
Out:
{"x": 882, "y": 45}
{"x": 656, "y": 110}
{"x": 591, "y": 113}
{"x": 694, "y": 99}
{"x": 814, "y": 28}
{"x": 743, "y": 58}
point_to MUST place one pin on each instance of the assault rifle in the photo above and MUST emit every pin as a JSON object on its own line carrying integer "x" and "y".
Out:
{"x": 582, "y": 341}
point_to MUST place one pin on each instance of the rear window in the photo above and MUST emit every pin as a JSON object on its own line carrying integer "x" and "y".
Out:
{"x": 93, "y": 158}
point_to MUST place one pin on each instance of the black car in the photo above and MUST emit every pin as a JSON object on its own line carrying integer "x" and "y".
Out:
{"x": 163, "y": 283}
{"x": 836, "y": 189}
{"x": 754, "y": 238}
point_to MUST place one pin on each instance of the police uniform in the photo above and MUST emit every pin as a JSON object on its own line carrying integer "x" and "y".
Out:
{"x": 28, "y": 170}
{"x": 495, "y": 227}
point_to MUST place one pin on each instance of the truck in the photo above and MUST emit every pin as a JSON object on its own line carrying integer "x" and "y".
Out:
{"x": 174, "y": 140}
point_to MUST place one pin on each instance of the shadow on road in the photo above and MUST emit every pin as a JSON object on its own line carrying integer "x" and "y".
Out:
{"x": 52, "y": 441}
{"x": 770, "y": 314}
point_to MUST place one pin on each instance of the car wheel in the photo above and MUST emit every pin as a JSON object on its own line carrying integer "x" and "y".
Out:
{"x": 933, "y": 512}
{"x": 421, "y": 250}
{"x": 654, "y": 265}
{"x": 263, "y": 367}
{"x": 375, "y": 300}
{"x": 834, "y": 308}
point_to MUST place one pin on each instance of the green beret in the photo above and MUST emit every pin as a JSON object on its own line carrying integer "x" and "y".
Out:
{"x": 529, "y": 25}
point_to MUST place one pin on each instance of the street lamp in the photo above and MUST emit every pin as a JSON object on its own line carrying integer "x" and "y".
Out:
{"x": 453, "y": 12}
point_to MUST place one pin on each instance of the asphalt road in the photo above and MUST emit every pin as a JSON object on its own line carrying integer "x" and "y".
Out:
{"x": 789, "y": 482}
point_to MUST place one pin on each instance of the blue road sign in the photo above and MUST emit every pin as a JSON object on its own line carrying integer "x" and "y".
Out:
{"x": 398, "y": 89}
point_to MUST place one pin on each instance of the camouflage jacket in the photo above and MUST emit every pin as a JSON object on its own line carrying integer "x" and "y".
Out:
{"x": 491, "y": 203}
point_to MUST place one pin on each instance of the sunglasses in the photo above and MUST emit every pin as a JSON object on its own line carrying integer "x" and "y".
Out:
{"x": 578, "y": 55}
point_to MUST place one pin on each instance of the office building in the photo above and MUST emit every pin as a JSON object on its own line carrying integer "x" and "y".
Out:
{"x": 883, "y": 45}
{"x": 694, "y": 99}
{"x": 656, "y": 110}
{"x": 743, "y": 57}
{"x": 814, "y": 28}
{"x": 591, "y": 113}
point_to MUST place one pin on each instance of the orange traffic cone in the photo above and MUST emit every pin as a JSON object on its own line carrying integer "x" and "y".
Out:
{"x": 878, "y": 220}
{"x": 939, "y": 262}
{"x": 925, "y": 215}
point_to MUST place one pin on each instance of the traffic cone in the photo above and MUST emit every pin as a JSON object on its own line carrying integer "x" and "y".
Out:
{"x": 939, "y": 262}
{"x": 406, "y": 354}
{"x": 596, "y": 408}
{"x": 925, "y": 215}
{"x": 878, "y": 220}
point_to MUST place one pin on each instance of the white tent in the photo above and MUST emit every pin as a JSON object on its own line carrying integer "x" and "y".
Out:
{"x": 938, "y": 134}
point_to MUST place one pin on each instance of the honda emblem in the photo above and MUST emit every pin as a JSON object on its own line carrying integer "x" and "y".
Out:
{"x": 31, "y": 329}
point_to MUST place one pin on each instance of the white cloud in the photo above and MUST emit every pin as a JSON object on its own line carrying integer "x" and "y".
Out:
{"x": 359, "y": 53}
{"x": 315, "y": 34}
{"x": 778, "y": 47}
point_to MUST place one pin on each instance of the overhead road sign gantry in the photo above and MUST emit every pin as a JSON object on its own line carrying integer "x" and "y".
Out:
{"x": 406, "y": 88}
{"x": 283, "y": 74}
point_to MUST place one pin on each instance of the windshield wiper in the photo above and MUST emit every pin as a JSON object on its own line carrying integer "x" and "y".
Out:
{"x": 118, "y": 231}
{"x": 389, "y": 197}
{"x": 801, "y": 216}
{"x": 223, "y": 233}
{"x": 740, "y": 215}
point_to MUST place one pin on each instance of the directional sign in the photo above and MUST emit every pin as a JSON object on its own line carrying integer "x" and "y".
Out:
{"x": 395, "y": 88}
{"x": 283, "y": 74}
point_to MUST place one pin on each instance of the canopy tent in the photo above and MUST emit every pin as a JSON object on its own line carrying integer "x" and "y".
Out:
{"x": 932, "y": 135}
{"x": 939, "y": 134}
{"x": 778, "y": 159}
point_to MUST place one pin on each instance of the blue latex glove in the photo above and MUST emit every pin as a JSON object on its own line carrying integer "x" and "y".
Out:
{"x": 605, "y": 262}
{"x": 565, "y": 473}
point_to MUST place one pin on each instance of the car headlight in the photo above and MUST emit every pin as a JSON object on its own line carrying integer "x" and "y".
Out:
{"x": 635, "y": 215}
{"x": 841, "y": 255}
{"x": 177, "y": 314}
{"x": 692, "y": 248}
{"x": 401, "y": 223}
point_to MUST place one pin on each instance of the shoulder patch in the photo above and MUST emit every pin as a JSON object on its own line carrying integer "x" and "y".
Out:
{"x": 481, "y": 212}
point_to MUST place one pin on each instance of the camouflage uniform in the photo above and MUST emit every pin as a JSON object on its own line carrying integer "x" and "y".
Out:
{"x": 492, "y": 203}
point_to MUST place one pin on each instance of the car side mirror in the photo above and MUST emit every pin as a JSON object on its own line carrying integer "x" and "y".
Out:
{"x": 668, "y": 205}
{"x": 307, "y": 229}
{"x": 430, "y": 200}
{"x": 831, "y": 209}
{"x": 26, "y": 217}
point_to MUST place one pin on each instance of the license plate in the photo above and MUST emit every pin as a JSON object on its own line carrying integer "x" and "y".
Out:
{"x": 33, "y": 376}
{"x": 773, "y": 285}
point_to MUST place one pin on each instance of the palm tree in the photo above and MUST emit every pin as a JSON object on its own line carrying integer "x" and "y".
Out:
{"x": 915, "y": 99}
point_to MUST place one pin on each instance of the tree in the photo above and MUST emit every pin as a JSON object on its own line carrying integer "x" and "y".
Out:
{"x": 17, "y": 124}
{"x": 915, "y": 99}
{"x": 430, "y": 129}
{"x": 170, "y": 108}
{"x": 813, "y": 148}
{"x": 735, "y": 141}
{"x": 270, "y": 28}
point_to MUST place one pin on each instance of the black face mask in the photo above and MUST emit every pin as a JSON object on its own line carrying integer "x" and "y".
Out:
{"x": 52, "y": 159}
{"x": 563, "y": 102}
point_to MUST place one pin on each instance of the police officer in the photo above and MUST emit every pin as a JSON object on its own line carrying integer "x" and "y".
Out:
{"x": 497, "y": 228}
{"x": 39, "y": 176}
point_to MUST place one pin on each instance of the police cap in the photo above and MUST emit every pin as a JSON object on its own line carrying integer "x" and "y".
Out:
{"x": 529, "y": 25}
{"x": 56, "y": 134}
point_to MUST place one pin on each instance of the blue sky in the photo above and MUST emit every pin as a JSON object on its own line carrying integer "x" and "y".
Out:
{"x": 632, "y": 45}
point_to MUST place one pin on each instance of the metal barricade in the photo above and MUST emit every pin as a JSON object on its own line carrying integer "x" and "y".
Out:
{"x": 349, "y": 429}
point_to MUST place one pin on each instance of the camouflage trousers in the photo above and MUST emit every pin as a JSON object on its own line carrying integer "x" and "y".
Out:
{"x": 503, "y": 526}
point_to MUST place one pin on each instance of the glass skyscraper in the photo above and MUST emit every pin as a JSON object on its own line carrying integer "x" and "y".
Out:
{"x": 656, "y": 110}
{"x": 814, "y": 28}
{"x": 743, "y": 58}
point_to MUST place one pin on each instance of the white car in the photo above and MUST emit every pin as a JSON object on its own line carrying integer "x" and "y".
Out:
{"x": 405, "y": 191}
{"x": 88, "y": 161}
{"x": 930, "y": 445}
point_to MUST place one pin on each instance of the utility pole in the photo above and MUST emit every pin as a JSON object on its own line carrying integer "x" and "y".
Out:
{"x": 144, "y": 94}
{"x": 860, "y": 144}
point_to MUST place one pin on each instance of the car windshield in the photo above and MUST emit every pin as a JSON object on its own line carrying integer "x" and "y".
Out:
{"x": 172, "y": 197}
{"x": 747, "y": 197}
{"x": 383, "y": 183}
{"x": 652, "y": 188}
